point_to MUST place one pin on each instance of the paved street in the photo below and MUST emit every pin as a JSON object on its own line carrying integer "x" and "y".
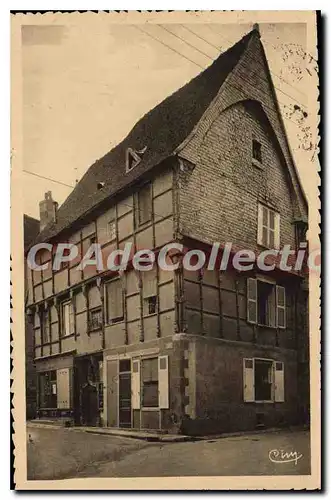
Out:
{"x": 66, "y": 453}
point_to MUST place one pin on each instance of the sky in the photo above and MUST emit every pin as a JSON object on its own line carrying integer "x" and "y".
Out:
{"x": 86, "y": 85}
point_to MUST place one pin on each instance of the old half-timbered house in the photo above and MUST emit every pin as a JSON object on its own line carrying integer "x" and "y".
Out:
{"x": 190, "y": 351}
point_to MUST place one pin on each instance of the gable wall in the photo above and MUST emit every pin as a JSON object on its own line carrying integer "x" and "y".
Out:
{"x": 223, "y": 144}
{"x": 219, "y": 198}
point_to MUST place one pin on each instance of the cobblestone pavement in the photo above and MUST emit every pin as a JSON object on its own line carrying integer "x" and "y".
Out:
{"x": 65, "y": 453}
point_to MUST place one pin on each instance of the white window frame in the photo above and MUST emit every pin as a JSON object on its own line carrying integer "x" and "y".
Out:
{"x": 64, "y": 332}
{"x": 273, "y": 382}
{"x": 261, "y": 226}
{"x": 277, "y": 306}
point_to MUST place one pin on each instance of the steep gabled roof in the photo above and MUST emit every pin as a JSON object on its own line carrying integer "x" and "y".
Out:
{"x": 162, "y": 130}
{"x": 31, "y": 229}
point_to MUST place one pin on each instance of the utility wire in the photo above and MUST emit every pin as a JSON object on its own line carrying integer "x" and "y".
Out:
{"x": 275, "y": 74}
{"x": 166, "y": 45}
{"x": 185, "y": 41}
{"x": 193, "y": 46}
{"x": 197, "y": 64}
{"x": 48, "y": 178}
{"x": 201, "y": 38}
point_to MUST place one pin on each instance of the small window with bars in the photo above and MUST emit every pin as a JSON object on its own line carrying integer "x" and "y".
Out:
{"x": 112, "y": 230}
{"x": 257, "y": 151}
{"x": 150, "y": 305}
{"x": 95, "y": 319}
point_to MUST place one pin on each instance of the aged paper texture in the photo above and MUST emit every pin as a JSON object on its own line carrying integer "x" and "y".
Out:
{"x": 165, "y": 250}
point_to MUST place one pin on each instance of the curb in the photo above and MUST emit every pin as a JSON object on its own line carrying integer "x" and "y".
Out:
{"x": 164, "y": 438}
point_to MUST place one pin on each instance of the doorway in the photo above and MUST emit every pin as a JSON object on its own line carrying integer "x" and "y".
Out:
{"x": 124, "y": 394}
{"x": 88, "y": 390}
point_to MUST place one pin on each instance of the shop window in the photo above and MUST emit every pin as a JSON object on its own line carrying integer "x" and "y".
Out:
{"x": 47, "y": 389}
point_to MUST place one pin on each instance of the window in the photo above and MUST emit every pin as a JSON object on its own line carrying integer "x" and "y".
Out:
{"x": 47, "y": 393}
{"x": 66, "y": 253}
{"x": 266, "y": 303}
{"x": 93, "y": 239}
{"x": 257, "y": 151}
{"x": 67, "y": 319}
{"x": 149, "y": 286}
{"x": 112, "y": 230}
{"x": 263, "y": 380}
{"x": 133, "y": 158}
{"x": 150, "y": 305}
{"x": 150, "y": 382}
{"x": 144, "y": 202}
{"x": 114, "y": 301}
{"x": 268, "y": 232}
{"x": 45, "y": 324}
{"x": 95, "y": 319}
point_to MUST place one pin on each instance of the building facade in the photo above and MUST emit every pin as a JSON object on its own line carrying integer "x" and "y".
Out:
{"x": 181, "y": 351}
{"x": 31, "y": 230}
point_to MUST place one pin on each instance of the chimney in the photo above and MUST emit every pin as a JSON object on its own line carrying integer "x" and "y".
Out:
{"x": 47, "y": 209}
{"x": 256, "y": 27}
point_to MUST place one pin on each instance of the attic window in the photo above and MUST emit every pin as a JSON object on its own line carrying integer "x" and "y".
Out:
{"x": 257, "y": 151}
{"x": 133, "y": 158}
{"x": 100, "y": 185}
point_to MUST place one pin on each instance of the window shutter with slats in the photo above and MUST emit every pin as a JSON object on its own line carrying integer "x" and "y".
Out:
{"x": 248, "y": 379}
{"x": 279, "y": 381}
{"x": 163, "y": 382}
{"x": 251, "y": 300}
{"x": 135, "y": 384}
{"x": 281, "y": 306}
{"x": 260, "y": 224}
{"x": 277, "y": 231}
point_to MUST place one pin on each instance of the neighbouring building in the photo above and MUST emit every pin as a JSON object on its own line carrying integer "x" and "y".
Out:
{"x": 182, "y": 351}
{"x": 30, "y": 232}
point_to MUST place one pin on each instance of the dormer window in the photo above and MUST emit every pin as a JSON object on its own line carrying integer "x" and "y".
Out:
{"x": 257, "y": 152}
{"x": 133, "y": 158}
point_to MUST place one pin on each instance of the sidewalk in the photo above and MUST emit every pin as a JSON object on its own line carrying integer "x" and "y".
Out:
{"x": 143, "y": 435}
{"x": 152, "y": 436}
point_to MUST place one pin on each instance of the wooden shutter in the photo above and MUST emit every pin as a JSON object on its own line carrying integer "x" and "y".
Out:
{"x": 248, "y": 382}
{"x": 259, "y": 224}
{"x": 114, "y": 300}
{"x": 71, "y": 318}
{"x": 281, "y": 306}
{"x": 163, "y": 382}
{"x": 135, "y": 384}
{"x": 66, "y": 319}
{"x": 279, "y": 381}
{"x": 63, "y": 388}
{"x": 277, "y": 231}
{"x": 251, "y": 300}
